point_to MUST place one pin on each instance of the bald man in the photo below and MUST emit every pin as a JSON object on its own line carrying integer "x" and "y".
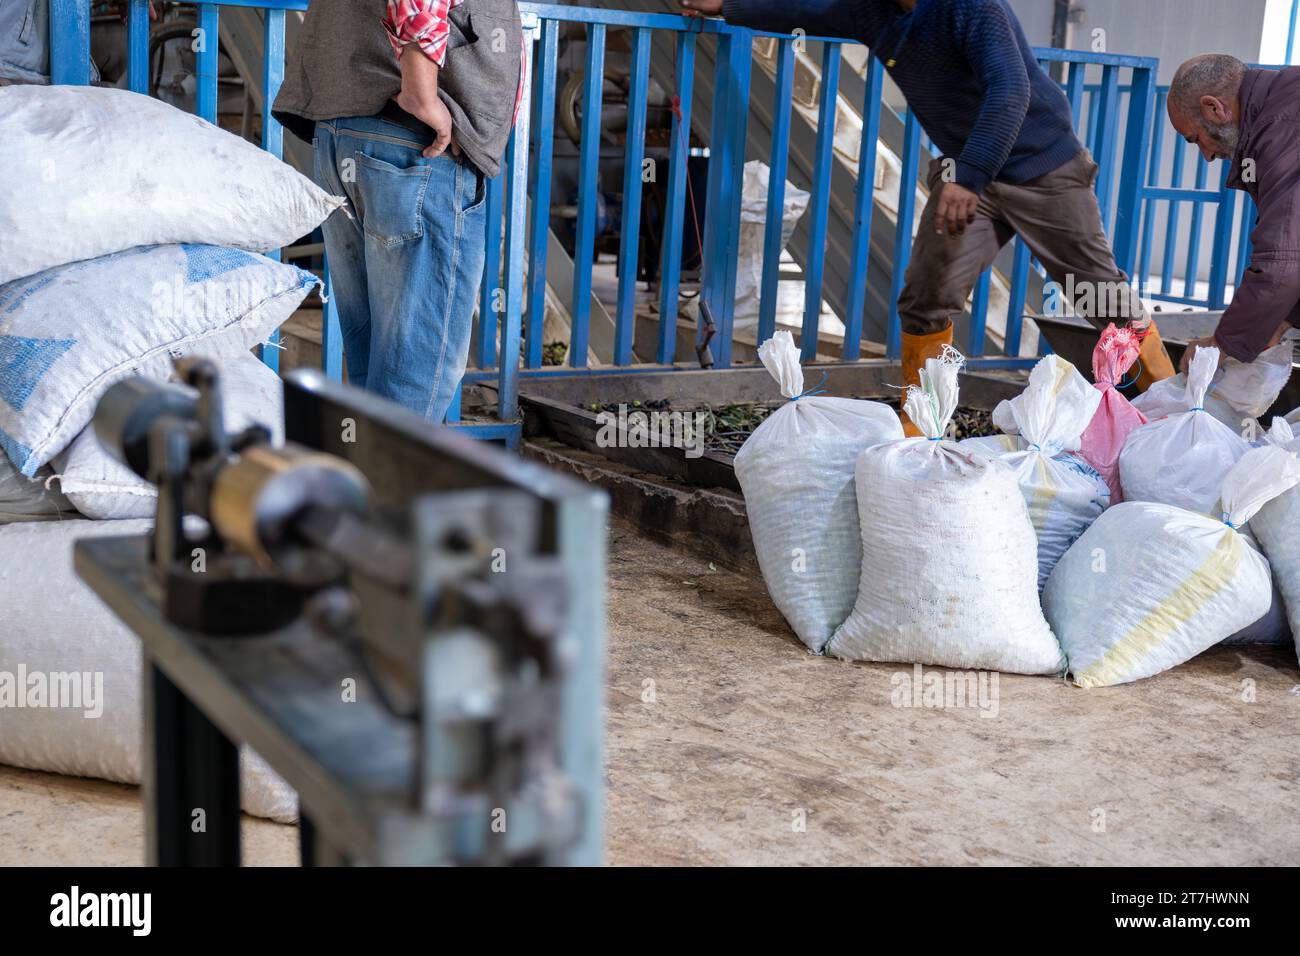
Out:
{"x": 1252, "y": 119}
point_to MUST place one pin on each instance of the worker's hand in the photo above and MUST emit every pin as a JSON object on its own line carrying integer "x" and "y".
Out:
{"x": 419, "y": 97}
{"x": 956, "y": 209}
{"x": 1192, "y": 346}
{"x": 702, "y": 8}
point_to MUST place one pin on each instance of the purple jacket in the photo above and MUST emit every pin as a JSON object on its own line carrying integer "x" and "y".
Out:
{"x": 1267, "y": 166}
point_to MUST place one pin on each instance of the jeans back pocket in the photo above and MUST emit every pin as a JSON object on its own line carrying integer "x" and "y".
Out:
{"x": 391, "y": 198}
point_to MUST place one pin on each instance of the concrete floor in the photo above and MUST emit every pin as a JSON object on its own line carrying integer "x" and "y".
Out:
{"x": 728, "y": 743}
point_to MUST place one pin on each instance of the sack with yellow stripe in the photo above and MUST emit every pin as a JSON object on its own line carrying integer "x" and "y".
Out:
{"x": 1150, "y": 585}
{"x": 1043, "y": 426}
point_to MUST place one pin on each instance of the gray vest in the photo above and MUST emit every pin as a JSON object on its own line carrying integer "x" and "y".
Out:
{"x": 344, "y": 66}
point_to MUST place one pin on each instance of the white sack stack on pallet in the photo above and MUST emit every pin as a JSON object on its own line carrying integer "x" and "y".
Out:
{"x": 1150, "y": 585}
{"x": 1063, "y": 492}
{"x": 949, "y": 557}
{"x": 796, "y": 472}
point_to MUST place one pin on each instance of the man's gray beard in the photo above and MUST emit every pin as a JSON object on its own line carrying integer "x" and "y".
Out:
{"x": 1226, "y": 136}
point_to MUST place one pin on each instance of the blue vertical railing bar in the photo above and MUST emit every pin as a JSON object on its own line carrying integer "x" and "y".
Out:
{"x": 332, "y": 331}
{"x": 1222, "y": 247}
{"x": 69, "y": 41}
{"x": 516, "y": 227}
{"x": 540, "y": 192}
{"x": 1171, "y": 218}
{"x": 1153, "y": 175}
{"x": 137, "y": 46}
{"x": 207, "y": 61}
{"x": 670, "y": 260}
{"x": 489, "y": 300}
{"x": 1016, "y": 299}
{"x": 453, "y": 410}
{"x": 588, "y": 184}
{"x": 824, "y": 155}
{"x": 1104, "y": 154}
{"x": 1074, "y": 90}
{"x": 1291, "y": 30}
{"x": 778, "y": 164}
{"x": 630, "y": 228}
{"x": 979, "y": 310}
{"x": 273, "y": 134}
{"x": 1132, "y": 171}
{"x": 1094, "y": 127}
{"x": 1243, "y": 237}
{"x": 903, "y": 231}
{"x": 726, "y": 171}
{"x": 863, "y": 207}
{"x": 1194, "y": 245}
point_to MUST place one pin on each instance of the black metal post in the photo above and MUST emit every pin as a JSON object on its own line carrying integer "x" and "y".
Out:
{"x": 191, "y": 781}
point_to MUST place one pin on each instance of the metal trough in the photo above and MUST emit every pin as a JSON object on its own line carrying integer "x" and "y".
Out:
{"x": 558, "y": 406}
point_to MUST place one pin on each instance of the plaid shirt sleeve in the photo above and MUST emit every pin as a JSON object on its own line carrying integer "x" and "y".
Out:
{"x": 422, "y": 22}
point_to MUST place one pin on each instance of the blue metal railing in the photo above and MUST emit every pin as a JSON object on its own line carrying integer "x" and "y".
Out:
{"x": 512, "y": 302}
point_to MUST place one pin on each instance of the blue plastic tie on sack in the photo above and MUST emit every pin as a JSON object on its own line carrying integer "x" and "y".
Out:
{"x": 815, "y": 390}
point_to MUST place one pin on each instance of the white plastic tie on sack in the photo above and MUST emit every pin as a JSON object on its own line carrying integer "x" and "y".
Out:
{"x": 1199, "y": 375}
{"x": 1260, "y": 476}
{"x": 930, "y": 405}
{"x": 780, "y": 356}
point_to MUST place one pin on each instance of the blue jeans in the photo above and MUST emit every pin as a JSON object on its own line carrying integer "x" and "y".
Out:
{"x": 406, "y": 268}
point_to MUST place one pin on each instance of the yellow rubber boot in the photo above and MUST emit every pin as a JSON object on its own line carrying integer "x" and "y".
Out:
{"x": 1154, "y": 358}
{"x": 916, "y": 349}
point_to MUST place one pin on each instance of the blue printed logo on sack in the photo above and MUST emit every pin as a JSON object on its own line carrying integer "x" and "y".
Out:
{"x": 70, "y": 332}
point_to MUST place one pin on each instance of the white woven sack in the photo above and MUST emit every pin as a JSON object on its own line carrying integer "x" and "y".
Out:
{"x": 1064, "y": 493}
{"x": 1238, "y": 391}
{"x": 69, "y": 333}
{"x": 101, "y": 487}
{"x": 92, "y": 170}
{"x": 796, "y": 471}
{"x": 949, "y": 558}
{"x": 1277, "y": 528}
{"x": 1150, "y": 585}
{"x": 55, "y": 625}
{"x": 1182, "y": 460}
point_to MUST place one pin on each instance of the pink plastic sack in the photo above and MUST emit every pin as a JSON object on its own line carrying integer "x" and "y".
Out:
{"x": 1103, "y": 439}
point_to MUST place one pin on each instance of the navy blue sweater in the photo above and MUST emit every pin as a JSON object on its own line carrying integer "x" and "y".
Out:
{"x": 965, "y": 67}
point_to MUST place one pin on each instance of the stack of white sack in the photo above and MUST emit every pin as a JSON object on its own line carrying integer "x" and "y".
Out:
{"x": 949, "y": 557}
{"x": 796, "y": 472}
{"x": 1238, "y": 392}
{"x": 1277, "y": 528}
{"x": 119, "y": 265}
{"x": 1182, "y": 459}
{"x": 1063, "y": 492}
{"x": 1149, "y": 585}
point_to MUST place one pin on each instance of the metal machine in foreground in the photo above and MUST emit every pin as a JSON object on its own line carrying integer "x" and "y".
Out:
{"x": 406, "y": 624}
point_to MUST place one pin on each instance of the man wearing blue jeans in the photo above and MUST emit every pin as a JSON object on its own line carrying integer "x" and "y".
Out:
{"x": 408, "y": 105}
